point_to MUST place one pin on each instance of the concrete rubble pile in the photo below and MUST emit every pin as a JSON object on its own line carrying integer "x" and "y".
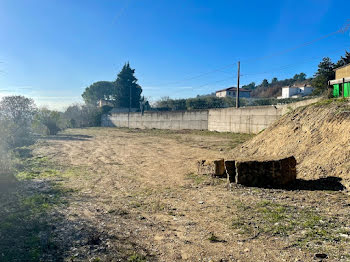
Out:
{"x": 256, "y": 173}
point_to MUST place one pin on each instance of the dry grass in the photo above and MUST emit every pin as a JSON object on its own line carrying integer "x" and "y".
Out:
{"x": 133, "y": 195}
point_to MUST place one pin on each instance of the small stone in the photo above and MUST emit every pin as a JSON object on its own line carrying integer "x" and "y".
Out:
{"x": 246, "y": 250}
{"x": 201, "y": 202}
{"x": 320, "y": 256}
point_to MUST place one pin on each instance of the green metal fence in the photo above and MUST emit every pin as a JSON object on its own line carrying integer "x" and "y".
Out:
{"x": 346, "y": 89}
{"x": 336, "y": 90}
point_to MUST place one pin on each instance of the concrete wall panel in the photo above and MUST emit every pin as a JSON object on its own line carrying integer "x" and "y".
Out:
{"x": 241, "y": 120}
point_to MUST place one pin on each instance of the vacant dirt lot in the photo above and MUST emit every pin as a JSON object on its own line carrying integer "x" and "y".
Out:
{"x": 132, "y": 195}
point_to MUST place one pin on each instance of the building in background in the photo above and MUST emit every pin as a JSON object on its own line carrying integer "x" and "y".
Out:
{"x": 296, "y": 91}
{"x": 231, "y": 92}
{"x": 341, "y": 83}
{"x": 103, "y": 102}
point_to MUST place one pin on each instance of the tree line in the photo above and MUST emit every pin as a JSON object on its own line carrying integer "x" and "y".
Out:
{"x": 319, "y": 81}
{"x": 122, "y": 93}
{"x": 21, "y": 122}
{"x": 264, "y": 93}
{"x": 273, "y": 89}
{"x": 125, "y": 91}
{"x": 325, "y": 72}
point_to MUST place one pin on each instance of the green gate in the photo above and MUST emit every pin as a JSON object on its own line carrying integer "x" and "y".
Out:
{"x": 336, "y": 90}
{"x": 346, "y": 89}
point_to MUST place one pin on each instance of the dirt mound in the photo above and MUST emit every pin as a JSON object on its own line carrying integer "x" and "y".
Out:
{"x": 317, "y": 135}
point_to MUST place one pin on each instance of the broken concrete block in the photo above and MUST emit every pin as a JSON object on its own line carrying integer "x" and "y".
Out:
{"x": 211, "y": 167}
{"x": 274, "y": 173}
{"x": 230, "y": 166}
{"x": 205, "y": 167}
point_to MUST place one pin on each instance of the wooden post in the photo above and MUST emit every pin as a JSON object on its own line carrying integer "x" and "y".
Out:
{"x": 237, "y": 92}
{"x": 129, "y": 106}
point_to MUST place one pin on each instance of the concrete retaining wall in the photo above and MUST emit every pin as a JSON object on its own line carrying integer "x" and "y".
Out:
{"x": 288, "y": 107}
{"x": 250, "y": 119}
{"x": 197, "y": 119}
{"x": 241, "y": 120}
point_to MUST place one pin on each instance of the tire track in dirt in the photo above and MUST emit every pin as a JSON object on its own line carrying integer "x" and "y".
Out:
{"x": 136, "y": 186}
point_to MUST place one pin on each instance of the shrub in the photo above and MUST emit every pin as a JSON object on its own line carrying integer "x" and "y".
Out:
{"x": 16, "y": 116}
{"x": 50, "y": 120}
{"x": 84, "y": 115}
{"x": 5, "y": 159}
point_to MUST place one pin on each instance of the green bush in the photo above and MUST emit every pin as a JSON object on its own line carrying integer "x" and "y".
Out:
{"x": 77, "y": 116}
{"x": 16, "y": 115}
{"x": 5, "y": 156}
{"x": 50, "y": 121}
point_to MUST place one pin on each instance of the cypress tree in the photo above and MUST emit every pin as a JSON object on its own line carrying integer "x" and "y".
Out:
{"x": 126, "y": 82}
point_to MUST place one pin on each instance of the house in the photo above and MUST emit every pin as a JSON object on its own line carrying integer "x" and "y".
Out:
{"x": 341, "y": 83}
{"x": 296, "y": 91}
{"x": 231, "y": 92}
{"x": 103, "y": 102}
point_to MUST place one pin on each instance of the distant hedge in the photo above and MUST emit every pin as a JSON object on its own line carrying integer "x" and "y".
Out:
{"x": 167, "y": 104}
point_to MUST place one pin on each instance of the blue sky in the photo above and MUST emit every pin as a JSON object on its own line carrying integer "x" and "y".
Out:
{"x": 52, "y": 49}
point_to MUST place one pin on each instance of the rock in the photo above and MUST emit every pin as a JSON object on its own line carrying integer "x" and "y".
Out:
{"x": 344, "y": 236}
{"x": 320, "y": 256}
{"x": 212, "y": 167}
{"x": 230, "y": 166}
{"x": 275, "y": 173}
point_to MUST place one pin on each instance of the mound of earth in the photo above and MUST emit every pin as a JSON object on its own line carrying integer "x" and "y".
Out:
{"x": 318, "y": 136}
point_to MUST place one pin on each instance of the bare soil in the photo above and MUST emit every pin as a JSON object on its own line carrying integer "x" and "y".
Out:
{"x": 133, "y": 195}
{"x": 316, "y": 135}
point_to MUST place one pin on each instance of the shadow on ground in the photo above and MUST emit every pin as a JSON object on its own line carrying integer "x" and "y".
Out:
{"x": 327, "y": 183}
{"x": 322, "y": 184}
{"x": 35, "y": 227}
{"x": 66, "y": 137}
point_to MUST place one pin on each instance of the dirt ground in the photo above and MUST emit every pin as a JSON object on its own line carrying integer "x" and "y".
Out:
{"x": 315, "y": 134}
{"x": 133, "y": 195}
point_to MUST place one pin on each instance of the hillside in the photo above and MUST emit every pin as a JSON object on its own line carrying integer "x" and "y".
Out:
{"x": 275, "y": 89}
{"x": 317, "y": 135}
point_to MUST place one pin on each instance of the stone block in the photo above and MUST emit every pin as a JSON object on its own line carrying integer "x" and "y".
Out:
{"x": 212, "y": 167}
{"x": 230, "y": 166}
{"x": 266, "y": 173}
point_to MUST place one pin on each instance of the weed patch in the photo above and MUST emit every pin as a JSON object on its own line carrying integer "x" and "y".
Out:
{"x": 27, "y": 208}
{"x": 24, "y": 227}
{"x": 137, "y": 258}
{"x": 196, "y": 179}
{"x": 42, "y": 168}
{"x": 304, "y": 226}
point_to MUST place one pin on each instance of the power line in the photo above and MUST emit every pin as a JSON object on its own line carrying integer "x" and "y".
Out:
{"x": 282, "y": 68}
{"x": 290, "y": 65}
{"x": 343, "y": 29}
{"x": 199, "y": 75}
{"x": 121, "y": 11}
{"x": 218, "y": 81}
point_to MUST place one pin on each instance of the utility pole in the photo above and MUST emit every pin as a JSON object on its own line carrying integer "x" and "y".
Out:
{"x": 129, "y": 106}
{"x": 237, "y": 92}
